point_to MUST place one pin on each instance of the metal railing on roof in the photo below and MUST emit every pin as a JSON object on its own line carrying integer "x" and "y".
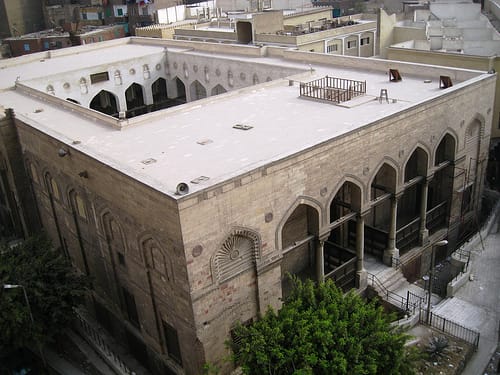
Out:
{"x": 333, "y": 89}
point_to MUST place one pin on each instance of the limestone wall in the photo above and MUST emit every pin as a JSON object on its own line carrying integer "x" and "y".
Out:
{"x": 262, "y": 200}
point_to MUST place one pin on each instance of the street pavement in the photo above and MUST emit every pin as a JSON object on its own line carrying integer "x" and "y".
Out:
{"x": 476, "y": 304}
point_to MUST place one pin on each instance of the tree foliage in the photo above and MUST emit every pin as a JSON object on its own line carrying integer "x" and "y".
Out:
{"x": 52, "y": 288}
{"x": 321, "y": 331}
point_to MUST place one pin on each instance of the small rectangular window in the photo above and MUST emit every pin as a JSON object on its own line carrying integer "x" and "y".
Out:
{"x": 26, "y": 47}
{"x": 119, "y": 11}
{"x": 365, "y": 41}
{"x": 121, "y": 258}
{"x": 80, "y": 207}
{"x": 352, "y": 44}
{"x": 46, "y": 45}
{"x": 99, "y": 77}
{"x": 34, "y": 175}
{"x": 331, "y": 48}
{"x": 172, "y": 341}
{"x": 54, "y": 189}
{"x": 131, "y": 308}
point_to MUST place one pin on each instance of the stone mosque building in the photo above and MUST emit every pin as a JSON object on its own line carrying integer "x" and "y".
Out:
{"x": 189, "y": 178}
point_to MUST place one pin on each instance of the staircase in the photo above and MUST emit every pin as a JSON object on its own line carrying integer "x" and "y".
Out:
{"x": 392, "y": 286}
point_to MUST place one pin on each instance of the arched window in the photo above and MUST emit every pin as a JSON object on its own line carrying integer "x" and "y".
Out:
{"x": 105, "y": 102}
{"x": 157, "y": 258}
{"x": 197, "y": 91}
{"x": 52, "y": 187}
{"x": 78, "y": 205}
{"x": 33, "y": 172}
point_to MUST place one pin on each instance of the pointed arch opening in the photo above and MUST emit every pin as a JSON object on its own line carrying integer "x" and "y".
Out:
{"x": 134, "y": 96}
{"x": 75, "y": 238}
{"x": 440, "y": 190}
{"x": 416, "y": 165}
{"x": 472, "y": 172}
{"x": 180, "y": 88}
{"x": 105, "y": 102}
{"x": 410, "y": 206}
{"x": 340, "y": 248}
{"x": 157, "y": 259}
{"x": 160, "y": 94}
{"x": 299, "y": 235}
{"x": 445, "y": 151}
{"x": 378, "y": 220}
{"x": 384, "y": 182}
{"x": 197, "y": 91}
{"x": 217, "y": 90}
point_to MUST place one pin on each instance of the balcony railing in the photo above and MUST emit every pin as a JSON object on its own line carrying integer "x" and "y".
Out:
{"x": 436, "y": 217}
{"x": 407, "y": 236}
{"x": 340, "y": 265}
{"x": 375, "y": 241}
{"x": 411, "y": 303}
{"x": 344, "y": 276}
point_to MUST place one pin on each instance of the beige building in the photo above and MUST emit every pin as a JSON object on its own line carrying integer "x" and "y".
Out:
{"x": 189, "y": 216}
{"x": 446, "y": 33}
{"x": 312, "y": 30}
{"x": 20, "y": 17}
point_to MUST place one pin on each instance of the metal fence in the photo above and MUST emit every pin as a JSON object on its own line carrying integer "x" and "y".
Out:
{"x": 93, "y": 337}
{"x": 410, "y": 303}
{"x": 333, "y": 89}
{"x": 450, "y": 327}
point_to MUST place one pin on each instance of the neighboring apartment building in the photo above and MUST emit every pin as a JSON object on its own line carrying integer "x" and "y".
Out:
{"x": 313, "y": 30}
{"x": 188, "y": 217}
{"x": 68, "y": 13}
{"x": 37, "y": 42}
{"x": 53, "y": 39}
{"x": 20, "y": 17}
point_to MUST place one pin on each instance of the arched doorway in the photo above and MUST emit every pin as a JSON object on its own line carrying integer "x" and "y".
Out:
{"x": 340, "y": 248}
{"x": 299, "y": 235}
{"x": 106, "y": 103}
{"x": 197, "y": 91}
{"x": 181, "y": 91}
{"x": 135, "y": 100}
{"x": 440, "y": 190}
{"x": 218, "y": 90}
{"x": 410, "y": 204}
{"x": 160, "y": 95}
{"x": 379, "y": 219}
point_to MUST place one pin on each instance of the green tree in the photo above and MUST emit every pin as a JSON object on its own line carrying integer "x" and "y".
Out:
{"x": 52, "y": 289}
{"x": 319, "y": 330}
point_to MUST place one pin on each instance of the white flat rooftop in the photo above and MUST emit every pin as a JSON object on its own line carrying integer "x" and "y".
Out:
{"x": 198, "y": 139}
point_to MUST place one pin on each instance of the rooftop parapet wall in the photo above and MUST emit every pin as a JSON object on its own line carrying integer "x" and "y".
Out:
{"x": 205, "y": 34}
{"x": 315, "y": 36}
{"x": 379, "y": 65}
{"x": 459, "y": 11}
{"x": 231, "y": 49}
